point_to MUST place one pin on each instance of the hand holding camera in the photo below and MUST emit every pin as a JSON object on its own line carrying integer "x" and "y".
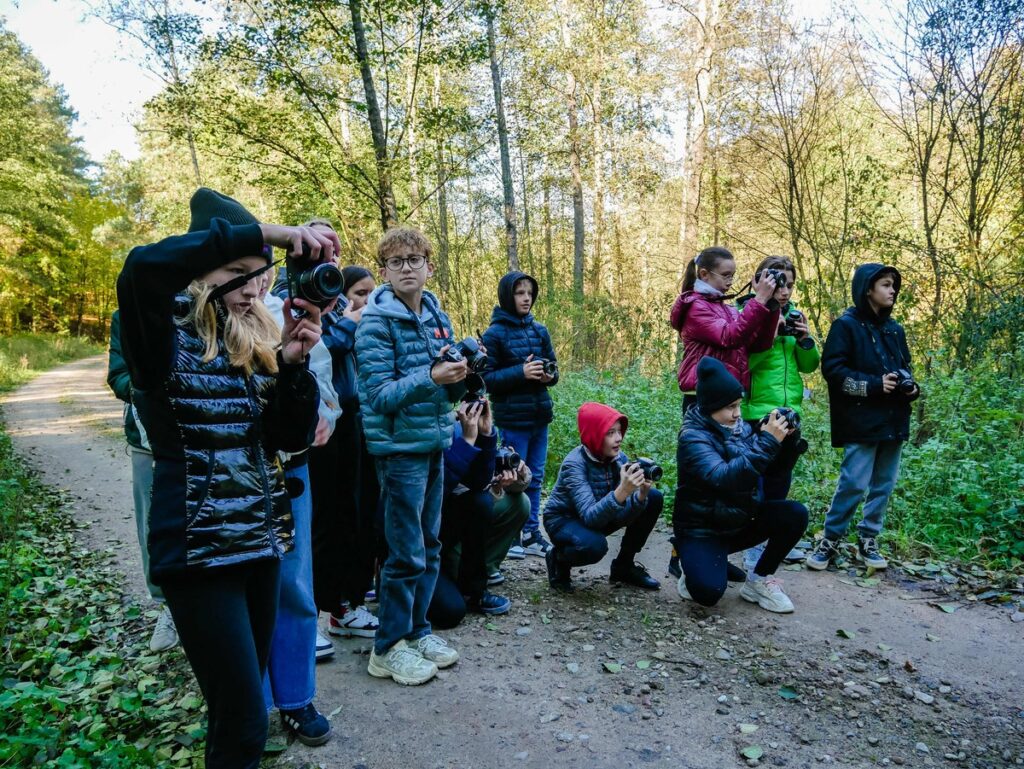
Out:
{"x": 901, "y": 381}
{"x": 469, "y": 418}
{"x": 764, "y": 286}
{"x": 301, "y": 330}
{"x": 631, "y": 478}
{"x": 448, "y": 369}
{"x": 779, "y": 425}
{"x": 540, "y": 369}
{"x": 323, "y": 245}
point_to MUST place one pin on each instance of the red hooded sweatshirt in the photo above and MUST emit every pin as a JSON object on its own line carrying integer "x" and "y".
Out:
{"x": 709, "y": 326}
{"x": 594, "y": 420}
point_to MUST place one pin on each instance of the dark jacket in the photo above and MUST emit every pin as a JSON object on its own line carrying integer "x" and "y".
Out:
{"x": 469, "y": 466}
{"x": 339, "y": 334}
{"x": 586, "y": 483}
{"x": 861, "y": 347}
{"x": 518, "y": 403}
{"x": 218, "y": 490}
{"x": 120, "y": 381}
{"x": 719, "y": 468}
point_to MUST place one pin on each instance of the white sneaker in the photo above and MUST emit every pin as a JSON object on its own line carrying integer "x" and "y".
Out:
{"x": 359, "y": 621}
{"x": 516, "y": 553}
{"x": 324, "y": 647}
{"x": 681, "y": 588}
{"x": 437, "y": 651}
{"x": 165, "y": 634}
{"x": 767, "y": 593}
{"x": 403, "y": 664}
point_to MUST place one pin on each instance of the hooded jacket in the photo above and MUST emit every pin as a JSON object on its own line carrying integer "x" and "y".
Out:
{"x": 586, "y": 482}
{"x": 709, "y": 326}
{"x": 518, "y": 403}
{"x": 218, "y": 491}
{"x": 861, "y": 347}
{"x": 404, "y": 411}
{"x": 775, "y": 374}
{"x": 718, "y": 493}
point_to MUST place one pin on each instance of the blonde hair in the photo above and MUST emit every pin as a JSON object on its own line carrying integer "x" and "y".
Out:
{"x": 251, "y": 340}
{"x": 398, "y": 237}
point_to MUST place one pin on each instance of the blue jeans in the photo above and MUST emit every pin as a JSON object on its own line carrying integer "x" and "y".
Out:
{"x": 411, "y": 488}
{"x": 871, "y": 469}
{"x": 532, "y": 446}
{"x": 290, "y": 682}
{"x": 578, "y": 545}
{"x": 142, "y": 492}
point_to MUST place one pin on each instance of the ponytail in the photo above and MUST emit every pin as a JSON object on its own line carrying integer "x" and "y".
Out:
{"x": 707, "y": 259}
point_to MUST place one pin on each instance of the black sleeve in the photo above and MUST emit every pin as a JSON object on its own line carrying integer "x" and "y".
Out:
{"x": 289, "y": 420}
{"x": 117, "y": 370}
{"x": 153, "y": 275}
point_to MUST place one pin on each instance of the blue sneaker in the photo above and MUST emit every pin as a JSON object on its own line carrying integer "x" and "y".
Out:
{"x": 826, "y": 551}
{"x": 489, "y": 603}
{"x": 308, "y": 725}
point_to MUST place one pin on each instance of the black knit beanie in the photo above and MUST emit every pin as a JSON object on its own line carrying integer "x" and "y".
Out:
{"x": 207, "y": 205}
{"x": 716, "y": 387}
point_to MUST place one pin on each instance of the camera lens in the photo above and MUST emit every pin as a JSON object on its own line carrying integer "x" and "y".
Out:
{"x": 320, "y": 284}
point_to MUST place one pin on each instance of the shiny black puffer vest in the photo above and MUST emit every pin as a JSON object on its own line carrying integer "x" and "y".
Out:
{"x": 218, "y": 492}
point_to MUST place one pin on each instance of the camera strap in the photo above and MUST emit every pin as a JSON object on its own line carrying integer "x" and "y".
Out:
{"x": 241, "y": 280}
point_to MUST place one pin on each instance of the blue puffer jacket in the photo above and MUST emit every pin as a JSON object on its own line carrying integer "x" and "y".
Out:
{"x": 518, "y": 403}
{"x": 719, "y": 468}
{"x": 404, "y": 411}
{"x": 339, "y": 335}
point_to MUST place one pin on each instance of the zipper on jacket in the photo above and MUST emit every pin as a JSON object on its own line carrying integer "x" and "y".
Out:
{"x": 268, "y": 503}
{"x": 785, "y": 375}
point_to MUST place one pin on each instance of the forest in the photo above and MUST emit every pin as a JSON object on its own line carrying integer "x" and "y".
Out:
{"x": 597, "y": 145}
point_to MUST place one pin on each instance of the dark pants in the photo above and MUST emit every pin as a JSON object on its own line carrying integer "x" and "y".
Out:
{"x": 467, "y": 521}
{"x": 225, "y": 620}
{"x": 345, "y": 492}
{"x": 704, "y": 559}
{"x": 778, "y": 476}
{"x": 447, "y": 606}
{"x": 577, "y": 545}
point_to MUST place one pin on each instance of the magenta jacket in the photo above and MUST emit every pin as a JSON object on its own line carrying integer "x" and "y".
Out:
{"x": 709, "y": 326}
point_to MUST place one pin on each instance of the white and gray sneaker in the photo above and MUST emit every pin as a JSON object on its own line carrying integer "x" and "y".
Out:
{"x": 359, "y": 622}
{"x": 165, "y": 634}
{"x": 681, "y": 588}
{"x": 403, "y": 664}
{"x": 767, "y": 593}
{"x": 535, "y": 544}
{"x": 437, "y": 650}
{"x": 516, "y": 552}
{"x": 324, "y": 647}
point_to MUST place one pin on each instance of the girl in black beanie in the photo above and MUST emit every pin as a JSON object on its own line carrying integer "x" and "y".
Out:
{"x": 719, "y": 507}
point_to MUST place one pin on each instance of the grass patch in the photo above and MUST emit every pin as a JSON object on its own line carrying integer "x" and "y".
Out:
{"x": 23, "y": 356}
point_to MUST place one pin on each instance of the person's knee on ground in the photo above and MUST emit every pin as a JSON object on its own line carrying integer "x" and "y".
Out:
{"x": 583, "y": 550}
{"x": 447, "y": 606}
{"x": 705, "y": 591}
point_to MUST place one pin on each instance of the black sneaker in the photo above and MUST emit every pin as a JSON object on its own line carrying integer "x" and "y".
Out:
{"x": 674, "y": 569}
{"x": 633, "y": 574}
{"x": 558, "y": 573}
{"x": 867, "y": 547}
{"x": 826, "y": 551}
{"x": 308, "y": 725}
{"x": 489, "y": 603}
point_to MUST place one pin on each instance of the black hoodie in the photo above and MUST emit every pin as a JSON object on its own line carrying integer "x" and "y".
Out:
{"x": 862, "y": 346}
{"x": 519, "y": 403}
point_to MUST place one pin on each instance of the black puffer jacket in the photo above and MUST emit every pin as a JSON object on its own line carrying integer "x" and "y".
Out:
{"x": 861, "y": 347}
{"x": 218, "y": 491}
{"x": 518, "y": 403}
{"x": 719, "y": 469}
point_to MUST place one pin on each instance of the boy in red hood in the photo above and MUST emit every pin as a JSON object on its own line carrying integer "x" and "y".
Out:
{"x": 598, "y": 491}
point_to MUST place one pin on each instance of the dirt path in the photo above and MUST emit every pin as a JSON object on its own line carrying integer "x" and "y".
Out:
{"x": 533, "y": 688}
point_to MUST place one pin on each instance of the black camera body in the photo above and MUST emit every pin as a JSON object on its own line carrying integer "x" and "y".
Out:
{"x": 318, "y": 283}
{"x": 792, "y": 418}
{"x": 779, "y": 275}
{"x": 652, "y": 470}
{"x": 468, "y": 350}
{"x": 475, "y": 389}
{"x": 791, "y": 318}
{"x": 550, "y": 366}
{"x": 904, "y": 381}
{"x": 506, "y": 459}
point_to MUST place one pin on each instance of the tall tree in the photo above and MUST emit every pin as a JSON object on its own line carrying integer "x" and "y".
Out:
{"x": 507, "y": 189}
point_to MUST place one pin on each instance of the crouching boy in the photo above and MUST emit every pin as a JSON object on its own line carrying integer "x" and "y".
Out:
{"x": 598, "y": 492}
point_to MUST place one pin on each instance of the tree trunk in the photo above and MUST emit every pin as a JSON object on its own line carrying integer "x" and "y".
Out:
{"x": 511, "y": 237}
{"x": 385, "y": 193}
{"x": 527, "y": 236}
{"x": 172, "y": 62}
{"x": 442, "y": 197}
{"x": 576, "y": 176}
{"x": 596, "y": 265}
{"x": 549, "y": 260}
{"x": 414, "y": 171}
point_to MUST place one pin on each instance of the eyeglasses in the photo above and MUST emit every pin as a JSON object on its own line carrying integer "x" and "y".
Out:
{"x": 396, "y": 263}
{"x": 729, "y": 276}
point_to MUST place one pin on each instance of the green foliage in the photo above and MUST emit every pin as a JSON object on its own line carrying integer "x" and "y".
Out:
{"x": 22, "y": 356}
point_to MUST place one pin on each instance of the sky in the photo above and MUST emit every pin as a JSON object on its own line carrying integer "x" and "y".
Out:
{"x": 99, "y": 69}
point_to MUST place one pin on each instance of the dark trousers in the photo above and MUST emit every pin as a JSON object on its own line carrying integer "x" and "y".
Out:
{"x": 778, "y": 476}
{"x": 704, "y": 559}
{"x": 466, "y": 523}
{"x": 447, "y": 605}
{"x": 345, "y": 492}
{"x": 225, "y": 620}
{"x": 578, "y": 545}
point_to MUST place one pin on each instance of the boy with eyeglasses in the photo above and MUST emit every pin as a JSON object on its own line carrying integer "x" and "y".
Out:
{"x": 405, "y": 396}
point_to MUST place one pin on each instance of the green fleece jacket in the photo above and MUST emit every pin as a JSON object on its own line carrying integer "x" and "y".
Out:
{"x": 775, "y": 376}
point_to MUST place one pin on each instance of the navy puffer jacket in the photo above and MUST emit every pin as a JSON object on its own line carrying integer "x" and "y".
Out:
{"x": 719, "y": 469}
{"x": 861, "y": 347}
{"x": 518, "y": 403}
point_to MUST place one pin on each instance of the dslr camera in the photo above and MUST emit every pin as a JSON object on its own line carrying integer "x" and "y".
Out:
{"x": 904, "y": 381}
{"x": 794, "y": 440}
{"x": 475, "y": 389}
{"x": 468, "y": 350}
{"x": 550, "y": 366}
{"x": 652, "y": 470}
{"x": 791, "y": 318}
{"x": 317, "y": 282}
{"x": 779, "y": 275}
{"x": 506, "y": 459}
{"x": 791, "y": 417}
